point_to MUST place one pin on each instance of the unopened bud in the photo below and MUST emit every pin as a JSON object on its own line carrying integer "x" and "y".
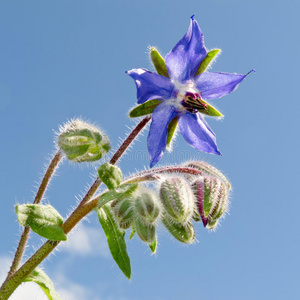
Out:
{"x": 177, "y": 198}
{"x": 146, "y": 231}
{"x": 208, "y": 170}
{"x": 211, "y": 199}
{"x": 110, "y": 175}
{"x": 123, "y": 210}
{"x": 82, "y": 142}
{"x": 184, "y": 233}
{"x": 146, "y": 206}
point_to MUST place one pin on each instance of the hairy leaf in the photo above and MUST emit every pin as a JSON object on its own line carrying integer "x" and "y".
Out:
{"x": 42, "y": 219}
{"x": 115, "y": 239}
{"x": 122, "y": 191}
{"x": 40, "y": 277}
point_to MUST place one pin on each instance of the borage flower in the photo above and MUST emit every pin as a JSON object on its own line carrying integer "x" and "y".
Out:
{"x": 179, "y": 91}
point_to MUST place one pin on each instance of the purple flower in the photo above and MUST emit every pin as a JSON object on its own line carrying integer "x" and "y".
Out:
{"x": 182, "y": 94}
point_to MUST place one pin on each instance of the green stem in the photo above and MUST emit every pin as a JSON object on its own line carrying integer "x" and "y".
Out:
{"x": 39, "y": 195}
{"x": 80, "y": 212}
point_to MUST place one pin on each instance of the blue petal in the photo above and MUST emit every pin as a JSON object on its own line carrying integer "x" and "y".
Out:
{"x": 214, "y": 85}
{"x": 157, "y": 138}
{"x": 197, "y": 133}
{"x": 183, "y": 61}
{"x": 151, "y": 85}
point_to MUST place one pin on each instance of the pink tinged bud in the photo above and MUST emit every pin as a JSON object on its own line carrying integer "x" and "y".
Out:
{"x": 211, "y": 199}
{"x": 199, "y": 193}
{"x": 209, "y": 170}
{"x": 177, "y": 199}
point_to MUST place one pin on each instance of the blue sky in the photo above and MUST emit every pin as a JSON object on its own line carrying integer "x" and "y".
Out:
{"x": 65, "y": 59}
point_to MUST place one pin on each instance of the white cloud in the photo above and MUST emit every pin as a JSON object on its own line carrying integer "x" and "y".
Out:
{"x": 86, "y": 241}
{"x": 5, "y": 262}
{"x": 28, "y": 290}
{"x": 69, "y": 290}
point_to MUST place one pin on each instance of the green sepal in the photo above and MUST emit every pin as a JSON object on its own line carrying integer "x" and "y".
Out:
{"x": 115, "y": 239}
{"x": 120, "y": 192}
{"x": 171, "y": 130}
{"x": 132, "y": 233}
{"x": 210, "y": 110}
{"x": 44, "y": 220}
{"x": 153, "y": 245}
{"x": 110, "y": 175}
{"x": 208, "y": 199}
{"x": 145, "y": 108}
{"x": 184, "y": 233}
{"x": 210, "y": 56}
{"x": 40, "y": 277}
{"x": 145, "y": 231}
{"x": 212, "y": 224}
{"x": 158, "y": 62}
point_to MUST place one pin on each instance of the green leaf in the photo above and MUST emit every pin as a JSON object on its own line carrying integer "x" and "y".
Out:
{"x": 210, "y": 56}
{"x": 144, "y": 108}
{"x": 111, "y": 175}
{"x": 153, "y": 245}
{"x": 122, "y": 191}
{"x": 115, "y": 239}
{"x": 42, "y": 219}
{"x": 39, "y": 276}
{"x": 210, "y": 110}
{"x": 158, "y": 62}
{"x": 171, "y": 130}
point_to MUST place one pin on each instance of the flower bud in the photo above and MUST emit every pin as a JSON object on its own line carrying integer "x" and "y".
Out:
{"x": 211, "y": 199}
{"x": 146, "y": 231}
{"x": 146, "y": 206}
{"x": 123, "y": 210}
{"x": 177, "y": 198}
{"x": 110, "y": 175}
{"x": 184, "y": 233}
{"x": 209, "y": 170}
{"x": 82, "y": 142}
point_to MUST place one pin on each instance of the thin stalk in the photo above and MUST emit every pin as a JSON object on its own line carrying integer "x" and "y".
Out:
{"x": 127, "y": 142}
{"x": 39, "y": 195}
{"x": 80, "y": 212}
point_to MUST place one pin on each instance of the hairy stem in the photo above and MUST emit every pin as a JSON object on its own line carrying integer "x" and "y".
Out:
{"x": 127, "y": 142}
{"x": 39, "y": 195}
{"x": 80, "y": 212}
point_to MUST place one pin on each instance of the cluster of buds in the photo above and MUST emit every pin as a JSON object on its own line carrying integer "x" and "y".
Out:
{"x": 140, "y": 211}
{"x": 200, "y": 193}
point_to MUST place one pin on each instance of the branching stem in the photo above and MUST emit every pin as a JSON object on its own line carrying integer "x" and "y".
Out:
{"x": 84, "y": 207}
{"x": 39, "y": 196}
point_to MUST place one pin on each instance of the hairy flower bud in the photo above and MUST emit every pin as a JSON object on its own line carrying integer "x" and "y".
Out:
{"x": 82, "y": 142}
{"x": 184, "y": 233}
{"x": 177, "y": 198}
{"x": 146, "y": 231}
{"x": 146, "y": 206}
{"x": 209, "y": 170}
{"x": 211, "y": 198}
{"x": 123, "y": 210}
